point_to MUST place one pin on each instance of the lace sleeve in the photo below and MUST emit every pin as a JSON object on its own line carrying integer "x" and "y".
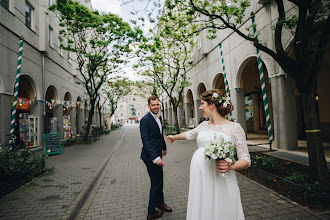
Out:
{"x": 192, "y": 134}
{"x": 241, "y": 145}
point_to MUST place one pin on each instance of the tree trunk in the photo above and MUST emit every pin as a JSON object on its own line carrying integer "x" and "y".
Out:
{"x": 317, "y": 161}
{"x": 176, "y": 124}
{"x": 100, "y": 116}
{"x": 90, "y": 117}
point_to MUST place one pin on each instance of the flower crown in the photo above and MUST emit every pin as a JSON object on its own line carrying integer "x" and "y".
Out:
{"x": 222, "y": 99}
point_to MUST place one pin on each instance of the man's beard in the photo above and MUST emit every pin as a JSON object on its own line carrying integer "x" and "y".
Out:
{"x": 155, "y": 112}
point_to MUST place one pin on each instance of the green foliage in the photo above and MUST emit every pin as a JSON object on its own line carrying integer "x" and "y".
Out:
{"x": 298, "y": 177}
{"x": 19, "y": 163}
{"x": 116, "y": 88}
{"x": 267, "y": 163}
{"x": 114, "y": 127}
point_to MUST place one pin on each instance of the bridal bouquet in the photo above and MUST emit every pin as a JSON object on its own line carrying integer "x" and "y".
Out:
{"x": 220, "y": 150}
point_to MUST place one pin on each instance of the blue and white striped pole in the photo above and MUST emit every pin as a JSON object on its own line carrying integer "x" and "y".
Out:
{"x": 13, "y": 112}
{"x": 263, "y": 85}
{"x": 224, "y": 74}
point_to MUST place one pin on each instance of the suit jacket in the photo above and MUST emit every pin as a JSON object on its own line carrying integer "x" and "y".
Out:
{"x": 152, "y": 139}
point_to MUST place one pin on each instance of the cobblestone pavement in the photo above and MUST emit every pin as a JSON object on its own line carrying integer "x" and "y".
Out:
{"x": 121, "y": 185}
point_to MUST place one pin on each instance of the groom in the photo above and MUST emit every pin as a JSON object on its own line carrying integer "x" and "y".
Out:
{"x": 153, "y": 149}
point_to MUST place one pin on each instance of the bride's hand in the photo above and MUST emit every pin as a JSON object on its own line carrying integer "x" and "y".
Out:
{"x": 223, "y": 166}
{"x": 170, "y": 138}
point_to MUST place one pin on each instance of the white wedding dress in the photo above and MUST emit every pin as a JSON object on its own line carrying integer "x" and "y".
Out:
{"x": 211, "y": 196}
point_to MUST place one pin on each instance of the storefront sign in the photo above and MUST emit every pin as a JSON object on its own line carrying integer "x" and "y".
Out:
{"x": 22, "y": 104}
{"x": 52, "y": 144}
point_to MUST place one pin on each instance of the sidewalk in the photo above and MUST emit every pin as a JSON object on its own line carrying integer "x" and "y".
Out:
{"x": 121, "y": 185}
{"x": 259, "y": 142}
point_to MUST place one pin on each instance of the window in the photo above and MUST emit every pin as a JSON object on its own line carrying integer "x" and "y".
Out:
{"x": 28, "y": 15}
{"x": 5, "y": 3}
{"x": 50, "y": 36}
{"x": 49, "y": 2}
{"x": 121, "y": 106}
{"x": 59, "y": 49}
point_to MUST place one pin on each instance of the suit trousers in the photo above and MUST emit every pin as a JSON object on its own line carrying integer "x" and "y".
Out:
{"x": 156, "y": 195}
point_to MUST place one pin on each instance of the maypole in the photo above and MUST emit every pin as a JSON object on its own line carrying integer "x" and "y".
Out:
{"x": 263, "y": 85}
{"x": 13, "y": 112}
{"x": 224, "y": 75}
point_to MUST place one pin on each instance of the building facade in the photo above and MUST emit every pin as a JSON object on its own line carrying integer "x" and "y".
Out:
{"x": 49, "y": 99}
{"x": 240, "y": 60}
{"x": 133, "y": 107}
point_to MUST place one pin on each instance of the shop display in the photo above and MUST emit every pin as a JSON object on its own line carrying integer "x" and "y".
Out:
{"x": 53, "y": 125}
{"x": 24, "y": 126}
{"x": 33, "y": 132}
{"x": 67, "y": 127}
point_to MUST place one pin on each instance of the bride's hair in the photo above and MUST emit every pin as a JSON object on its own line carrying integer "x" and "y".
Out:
{"x": 210, "y": 98}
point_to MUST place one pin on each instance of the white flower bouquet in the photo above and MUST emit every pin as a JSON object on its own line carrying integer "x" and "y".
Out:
{"x": 220, "y": 150}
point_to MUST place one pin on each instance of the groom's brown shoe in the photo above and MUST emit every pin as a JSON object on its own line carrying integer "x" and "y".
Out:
{"x": 164, "y": 207}
{"x": 155, "y": 215}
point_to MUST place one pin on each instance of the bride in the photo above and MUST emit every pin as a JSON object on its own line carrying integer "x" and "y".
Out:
{"x": 212, "y": 196}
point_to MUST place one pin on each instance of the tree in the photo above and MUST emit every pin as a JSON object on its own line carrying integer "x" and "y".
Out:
{"x": 116, "y": 88}
{"x": 167, "y": 59}
{"x": 101, "y": 42}
{"x": 310, "y": 28}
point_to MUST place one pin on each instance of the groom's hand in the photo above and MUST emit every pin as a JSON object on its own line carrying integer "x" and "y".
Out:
{"x": 159, "y": 162}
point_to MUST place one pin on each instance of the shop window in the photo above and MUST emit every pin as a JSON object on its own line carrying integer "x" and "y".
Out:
{"x": 249, "y": 108}
{"x": 28, "y": 15}
{"x": 5, "y": 3}
{"x": 50, "y": 36}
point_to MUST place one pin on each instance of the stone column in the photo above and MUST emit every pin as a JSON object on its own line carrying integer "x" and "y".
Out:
{"x": 188, "y": 114}
{"x": 237, "y": 96}
{"x": 81, "y": 120}
{"x": 73, "y": 120}
{"x": 180, "y": 118}
{"x": 284, "y": 115}
{"x": 198, "y": 113}
{"x": 170, "y": 118}
{"x": 5, "y": 117}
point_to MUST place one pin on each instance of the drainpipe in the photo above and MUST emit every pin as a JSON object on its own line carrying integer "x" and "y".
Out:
{"x": 43, "y": 92}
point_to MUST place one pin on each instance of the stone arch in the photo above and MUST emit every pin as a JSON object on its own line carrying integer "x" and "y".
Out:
{"x": 28, "y": 86}
{"x": 218, "y": 81}
{"x": 248, "y": 79}
{"x": 189, "y": 106}
{"x": 52, "y": 111}
{"x": 200, "y": 89}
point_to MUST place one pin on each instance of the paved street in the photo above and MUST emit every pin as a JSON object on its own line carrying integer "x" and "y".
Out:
{"x": 107, "y": 180}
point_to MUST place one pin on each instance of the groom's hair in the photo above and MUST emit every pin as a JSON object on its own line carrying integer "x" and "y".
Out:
{"x": 153, "y": 97}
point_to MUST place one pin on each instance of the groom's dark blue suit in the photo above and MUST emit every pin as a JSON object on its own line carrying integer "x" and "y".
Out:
{"x": 153, "y": 145}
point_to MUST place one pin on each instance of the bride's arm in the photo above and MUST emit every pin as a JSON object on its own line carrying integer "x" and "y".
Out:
{"x": 172, "y": 138}
{"x": 224, "y": 166}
